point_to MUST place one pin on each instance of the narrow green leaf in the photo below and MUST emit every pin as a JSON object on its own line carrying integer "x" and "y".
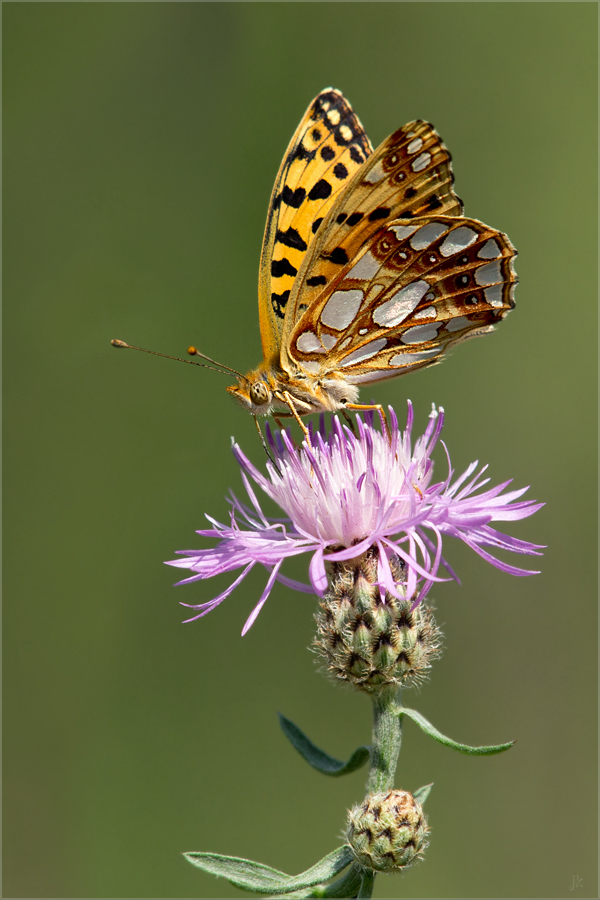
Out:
{"x": 325, "y": 869}
{"x": 422, "y": 793}
{"x": 253, "y": 876}
{"x": 346, "y": 886}
{"x": 243, "y": 873}
{"x": 448, "y": 742}
{"x": 317, "y": 758}
{"x": 300, "y": 895}
{"x": 316, "y": 891}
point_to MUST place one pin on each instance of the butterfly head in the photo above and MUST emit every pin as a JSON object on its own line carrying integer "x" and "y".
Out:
{"x": 254, "y": 392}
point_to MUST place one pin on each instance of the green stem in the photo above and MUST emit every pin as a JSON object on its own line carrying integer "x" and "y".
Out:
{"x": 387, "y": 737}
{"x": 367, "y": 884}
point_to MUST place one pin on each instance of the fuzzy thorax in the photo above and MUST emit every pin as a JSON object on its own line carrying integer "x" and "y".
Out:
{"x": 368, "y": 641}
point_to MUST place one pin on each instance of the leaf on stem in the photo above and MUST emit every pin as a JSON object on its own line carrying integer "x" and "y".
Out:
{"x": 429, "y": 729}
{"x": 346, "y": 886}
{"x": 261, "y": 879}
{"x": 422, "y": 793}
{"x": 317, "y": 758}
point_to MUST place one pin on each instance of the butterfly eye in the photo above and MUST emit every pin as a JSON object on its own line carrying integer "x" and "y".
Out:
{"x": 259, "y": 393}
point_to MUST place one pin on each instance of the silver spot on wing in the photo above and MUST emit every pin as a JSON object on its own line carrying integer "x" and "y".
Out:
{"x": 457, "y": 240}
{"x": 400, "y": 305}
{"x": 341, "y": 308}
{"x": 427, "y": 234}
{"x": 365, "y": 268}
{"x": 366, "y": 352}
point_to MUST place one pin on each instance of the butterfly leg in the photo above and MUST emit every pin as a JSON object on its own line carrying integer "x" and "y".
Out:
{"x": 379, "y": 409}
{"x": 278, "y": 419}
{"x": 287, "y": 398}
{"x": 350, "y": 422}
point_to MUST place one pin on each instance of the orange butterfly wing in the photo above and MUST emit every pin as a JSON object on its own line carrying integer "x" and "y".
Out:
{"x": 329, "y": 146}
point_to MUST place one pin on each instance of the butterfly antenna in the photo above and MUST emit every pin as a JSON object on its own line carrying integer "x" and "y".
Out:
{"x": 224, "y": 370}
{"x": 193, "y": 351}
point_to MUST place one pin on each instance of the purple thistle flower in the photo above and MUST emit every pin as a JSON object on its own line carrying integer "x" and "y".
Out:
{"x": 347, "y": 493}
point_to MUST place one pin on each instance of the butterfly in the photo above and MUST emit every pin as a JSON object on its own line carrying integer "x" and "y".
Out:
{"x": 368, "y": 267}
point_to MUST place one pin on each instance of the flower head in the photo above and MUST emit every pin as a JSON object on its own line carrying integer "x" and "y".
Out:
{"x": 343, "y": 494}
{"x": 388, "y": 831}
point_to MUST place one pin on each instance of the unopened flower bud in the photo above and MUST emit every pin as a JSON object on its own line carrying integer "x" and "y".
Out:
{"x": 368, "y": 641}
{"x": 388, "y": 831}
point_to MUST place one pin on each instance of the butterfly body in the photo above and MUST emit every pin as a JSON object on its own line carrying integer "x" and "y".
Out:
{"x": 267, "y": 389}
{"x": 368, "y": 267}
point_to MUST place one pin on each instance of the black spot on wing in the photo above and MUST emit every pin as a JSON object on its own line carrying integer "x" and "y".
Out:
{"x": 290, "y": 238}
{"x": 279, "y": 302}
{"x": 320, "y": 191}
{"x": 302, "y": 153}
{"x": 434, "y": 202}
{"x": 337, "y": 256}
{"x": 281, "y": 267}
{"x": 409, "y": 193}
{"x": 340, "y": 171}
{"x": 293, "y": 198}
{"x": 354, "y": 219}
{"x": 316, "y": 224}
{"x": 382, "y": 212}
{"x": 356, "y": 156}
{"x": 316, "y": 280}
{"x": 341, "y": 218}
{"x": 327, "y": 154}
{"x": 316, "y": 134}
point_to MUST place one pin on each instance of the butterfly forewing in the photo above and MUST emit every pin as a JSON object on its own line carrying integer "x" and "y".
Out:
{"x": 328, "y": 147}
{"x": 416, "y": 288}
{"x": 408, "y": 175}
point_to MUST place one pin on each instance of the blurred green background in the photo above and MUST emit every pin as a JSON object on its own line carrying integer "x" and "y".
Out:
{"x": 141, "y": 144}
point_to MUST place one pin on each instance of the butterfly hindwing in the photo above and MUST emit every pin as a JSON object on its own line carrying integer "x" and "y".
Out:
{"x": 409, "y": 175}
{"x": 328, "y": 147}
{"x": 415, "y": 288}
